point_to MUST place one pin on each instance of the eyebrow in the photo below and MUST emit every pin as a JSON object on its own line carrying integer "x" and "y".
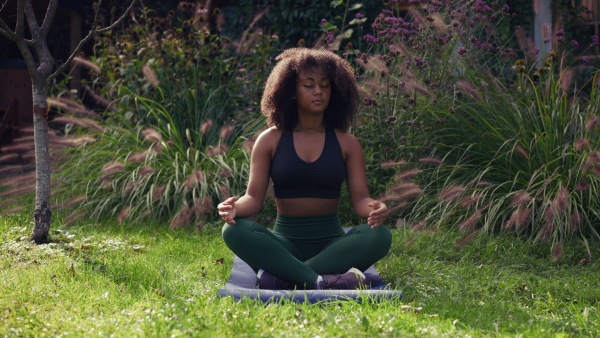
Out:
{"x": 310, "y": 78}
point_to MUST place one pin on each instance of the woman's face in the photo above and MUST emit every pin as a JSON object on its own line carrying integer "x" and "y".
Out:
{"x": 313, "y": 90}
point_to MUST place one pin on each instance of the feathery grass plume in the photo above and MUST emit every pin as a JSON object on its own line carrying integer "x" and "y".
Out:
{"x": 207, "y": 204}
{"x": 409, "y": 242}
{"x": 158, "y": 191}
{"x": 560, "y": 200}
{"x": 549, "y": 213}
{"x": 152, "y": 135}
{"x": 546, "y": 30}
{"x": 86, "y": 63}
{"x": 406, "y": 194}
{"x": 82, "y": 122}
{"x": 511, "y": 220}
{"x": 225, "y": 132}
{"x": 546, "y": 231}
{"x": 536, "y": 7}
{"x": 200, "y": 225}
{"x": 596, "y": 169}
{"x": 12, "y": 210}
{"x": 407, "y": 174}
{"x": 99, "y": 99}
{"x": 411, "y": 86}
{"x": 113, "y": 167}
{"x": 439, "y": 24}
{"x": 193, "y": 180}
{"x": 465, "y": 240}
{"x": 580, "y": 144}
{"x": 145, "y": 170}
{"x": 452, "y": 193}
{"x": 138, "y": 157}
{"x": 106, "y": 185}
{"x": 150, "y": 75}
{"x": 72, "y": 218}
{"x": 470, "y": 222}
{"x": 158, "y": 148}
{"x": 18, "y": 180}
{"x": 397, "y": 207}
{"x": 583, "y": 186}
{"x": 402, "y": 186}
{"x": 418, "y": 226}
{"x": 374, "y": 64}
{"x": 72, "y": 202}
{"x": 206, "y": 126}
{"x": 70, "y": 106}
{"x": 482, "y": 184}
{"x": 182, "y": 219}
{"x": 401, "y": 223}
{"x": 125, "y": 212}
{"x": 223, "y": 191}
{"x": 470, "y": 200}
{"x": 388, "y": 164}
{"x": 566, "y": 79}
{"x": 198, "y": 208}
{"x": 520, "y": 198}
{"x": 225, "y": 173}
{"x": 557, "y": 251}
{"x": 18, "y": 191}
{"x": 249, "y": 144}
{"x": 430, "y": 160}
{"x": 575, "y": 221}
{"x": 594, "y": 157}
{"x": 468, "y": 88}
{"x": 522, "y": 151}
{"x": 75, "y": 141}
{"x": 522, "y": 216}
{"x": 130, "y": 186}
{"x": 591, "y": 123}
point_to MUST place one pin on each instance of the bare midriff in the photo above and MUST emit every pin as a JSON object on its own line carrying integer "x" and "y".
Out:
{"x": 299, "y": 207}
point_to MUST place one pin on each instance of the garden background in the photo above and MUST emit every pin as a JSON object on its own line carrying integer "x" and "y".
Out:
{"x": 485, "y": 148}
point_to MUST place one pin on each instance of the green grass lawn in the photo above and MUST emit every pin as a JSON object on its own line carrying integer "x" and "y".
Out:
{"x": 101, "y": 280}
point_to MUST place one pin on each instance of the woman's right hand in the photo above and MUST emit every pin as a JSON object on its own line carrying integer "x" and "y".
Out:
{"x": 227, "y": 210}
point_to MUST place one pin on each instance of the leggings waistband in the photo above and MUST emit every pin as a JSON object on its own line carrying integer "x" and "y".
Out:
{"x": 308, "y": 227}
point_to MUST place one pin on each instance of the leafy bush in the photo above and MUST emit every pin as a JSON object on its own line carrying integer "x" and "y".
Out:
{"x": 481, "y": 140}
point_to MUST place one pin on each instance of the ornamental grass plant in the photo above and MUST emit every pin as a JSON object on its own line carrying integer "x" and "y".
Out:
{"x": 178, "y": 111}
{"x": 482, "y": 138}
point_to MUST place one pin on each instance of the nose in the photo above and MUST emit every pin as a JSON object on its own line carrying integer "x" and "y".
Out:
{"x": 317, "y": 90}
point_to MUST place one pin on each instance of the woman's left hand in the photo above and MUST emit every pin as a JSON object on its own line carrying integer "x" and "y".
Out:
{"x": 379, "y": 215}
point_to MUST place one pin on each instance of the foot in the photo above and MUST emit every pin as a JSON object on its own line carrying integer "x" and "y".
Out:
{"x": 351, "y": 280}
{"x": 272, "y": 282}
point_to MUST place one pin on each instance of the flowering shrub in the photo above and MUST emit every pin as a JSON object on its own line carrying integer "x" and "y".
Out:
{"x": 481, "y": 137}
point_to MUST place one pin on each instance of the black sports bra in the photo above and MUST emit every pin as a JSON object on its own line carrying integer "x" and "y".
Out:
{"x": 292, "y": 177}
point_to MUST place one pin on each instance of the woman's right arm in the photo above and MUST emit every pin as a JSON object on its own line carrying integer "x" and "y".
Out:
{"x": 260, "y": 161}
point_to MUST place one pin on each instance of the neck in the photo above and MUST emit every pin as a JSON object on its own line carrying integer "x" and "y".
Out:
{"x": 310, "y": 124}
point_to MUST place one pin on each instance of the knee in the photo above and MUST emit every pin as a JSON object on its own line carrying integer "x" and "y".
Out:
{"x": 234, "y": 232}
{"x": 379, "y": 239}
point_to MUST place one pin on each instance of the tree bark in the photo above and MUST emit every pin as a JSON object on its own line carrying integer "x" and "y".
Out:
{"x": 42, "y": 215}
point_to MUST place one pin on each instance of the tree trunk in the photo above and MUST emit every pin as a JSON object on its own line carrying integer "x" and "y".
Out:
{"x": 42, "y": 215}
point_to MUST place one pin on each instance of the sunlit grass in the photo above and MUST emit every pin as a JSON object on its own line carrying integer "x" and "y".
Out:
{"x": 123, "y": 281}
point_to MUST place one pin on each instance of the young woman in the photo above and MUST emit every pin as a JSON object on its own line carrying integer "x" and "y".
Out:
{"x": 310, "y": 99}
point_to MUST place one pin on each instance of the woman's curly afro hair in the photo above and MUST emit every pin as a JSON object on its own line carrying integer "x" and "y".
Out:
{"x": 278, "y": 103}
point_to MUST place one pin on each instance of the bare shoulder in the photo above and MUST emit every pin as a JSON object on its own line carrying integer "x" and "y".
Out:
{"x": 268, "y": 140}
{"x": 348, "y": 143}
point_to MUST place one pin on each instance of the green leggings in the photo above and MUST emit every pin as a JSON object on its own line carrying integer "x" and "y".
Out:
{"x": 299, "y": 249}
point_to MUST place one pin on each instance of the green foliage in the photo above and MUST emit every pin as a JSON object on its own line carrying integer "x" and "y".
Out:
{"x": 182, "y": 119}
{"x": 482, "y": 142}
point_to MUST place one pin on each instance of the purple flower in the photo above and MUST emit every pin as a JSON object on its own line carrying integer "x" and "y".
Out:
{"x": 462, "y": 50}
{"x": 560, "y": 32}
{"x": 575, "y": 44}
{"x": 323, "y": 21}
{"x": 275, "y": 36}
{"x": 369, "y": 101}
{"x": 595, "y": 40}
{"x": 359, "y": 16}
{"x": 370, "y": 39}
{"x": 585, "y": 61}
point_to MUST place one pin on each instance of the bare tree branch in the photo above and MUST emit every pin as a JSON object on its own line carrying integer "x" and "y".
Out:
{"x": 52, "y": 6}
{"x": 93, "y": 32}
{"x": 19, "y": 27}
{"x": 32, "y": 21}
{"x": 6, "y": 32}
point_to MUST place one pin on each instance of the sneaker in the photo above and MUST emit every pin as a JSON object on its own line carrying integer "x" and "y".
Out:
{"x": 272, "y": 282}
{"x": 351, "y": 280}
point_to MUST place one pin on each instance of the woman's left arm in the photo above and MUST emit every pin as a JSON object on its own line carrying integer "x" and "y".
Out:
{"x": 375, "y": 212}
